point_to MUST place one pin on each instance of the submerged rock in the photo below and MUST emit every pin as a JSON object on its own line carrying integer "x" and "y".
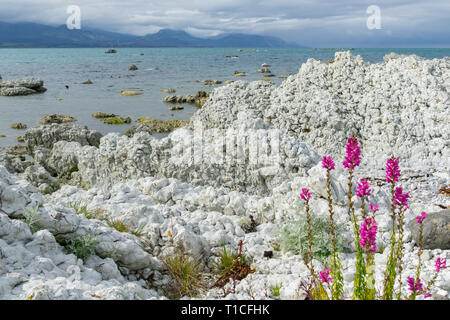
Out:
{"x": 199, "y": 98}
{"x": 176, "y": 108}
{"x": 170, "y": 90}
{"x": 130, "y": 93}
{"x": 116, "y": 120}
{"x": 103, "y": 115}
{"x": 19, "y": 125}
{"x": 56, "y": 118}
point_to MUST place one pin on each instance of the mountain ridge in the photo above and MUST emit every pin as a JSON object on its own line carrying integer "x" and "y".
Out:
{"x": 34, "y": 35}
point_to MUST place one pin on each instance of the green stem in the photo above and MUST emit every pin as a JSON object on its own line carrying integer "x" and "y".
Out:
{"x": 390, "y": 274}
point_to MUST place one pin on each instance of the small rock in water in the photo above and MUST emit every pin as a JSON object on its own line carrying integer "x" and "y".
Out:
{"x": 116, "y": 120}
{"x": 170, "y": 90}
{"x": 18, "y": 125}
{"x": 176, "y": 108}
{"x": 131, "y": 93}
{"x": 56, "y": 118}
{"x": 103, "y": 115}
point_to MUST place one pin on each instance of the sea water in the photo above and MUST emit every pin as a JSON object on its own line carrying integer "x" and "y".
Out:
{"x": 183, "y": 69}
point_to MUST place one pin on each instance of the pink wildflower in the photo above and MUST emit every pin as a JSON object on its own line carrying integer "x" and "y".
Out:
{"x": 373, "y": 207}
{"x": 352, "y": 159}
{"x": 327, "y": 163}
{"x": 363, "y": 188}
{"x": 414, "y": 286}
{"x": 392, "y": 170}
{"x": 427, "y": 295}
{"x": 440, "y": 264}
{"x": 422, "y": 217}
{"x": 401, "y": 198}
{"x": 325, "y": 276}
{"x": 305, "y": 195}
{"x": 368, "y": 234}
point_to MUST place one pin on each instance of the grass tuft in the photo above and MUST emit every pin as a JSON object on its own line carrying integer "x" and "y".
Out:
{"x": 232, "y": 266}
{"x": 186, "y": 273}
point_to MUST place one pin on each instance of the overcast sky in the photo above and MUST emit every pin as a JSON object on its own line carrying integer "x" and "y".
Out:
{"x": 324, "y": 23}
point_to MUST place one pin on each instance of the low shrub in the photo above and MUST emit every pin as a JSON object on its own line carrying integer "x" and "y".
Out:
{"x": 293, "y": 237}
{"x": 31, "y": 218}
{"x": 82, "y": 246}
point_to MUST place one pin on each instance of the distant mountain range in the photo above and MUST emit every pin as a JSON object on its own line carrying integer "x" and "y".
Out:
{"x": 32, "y": 35}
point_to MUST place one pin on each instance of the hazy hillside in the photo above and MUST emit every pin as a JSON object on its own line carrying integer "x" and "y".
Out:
{"x": 26, "y": 35}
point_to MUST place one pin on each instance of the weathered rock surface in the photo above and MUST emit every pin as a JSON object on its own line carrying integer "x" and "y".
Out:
{"x": 36, "y": 266}
{"x": 195, "y": 188}
{"x": 56, "y": 118}
{"x": 19, "y": 126}
{"x": 20, "y": 87}
{"x": 436, "y": 230}
{"x": 199, "y": 98}
{"x": 399, "y": 106}
{"x": 41, "y": 179}
{"x": 47, "y": 136}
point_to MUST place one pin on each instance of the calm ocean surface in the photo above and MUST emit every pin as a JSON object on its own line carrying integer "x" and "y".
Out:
{"x": 159, "y": 68}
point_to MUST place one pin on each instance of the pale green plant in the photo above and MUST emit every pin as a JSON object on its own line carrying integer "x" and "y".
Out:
{"x": 293, "y": 237}
{"x": 82, "y": 246}
{"x": 32, "y": 217}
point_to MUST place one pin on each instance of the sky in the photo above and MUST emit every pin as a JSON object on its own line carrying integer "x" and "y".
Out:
{"x": 313, "y": 23}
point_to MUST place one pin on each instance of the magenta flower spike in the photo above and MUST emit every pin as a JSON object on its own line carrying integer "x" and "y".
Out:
{"x": 325, "y": 276}
{"x": 353, "y": 156}
{"x": 401, "y": 198}
{"x": 305, "y": 195}
{"x": 327, "y": 163}
{"x": 368, "y": 234}
{"x": 422, "y": 217}
{"x": 440, "y": 264}
{"x": 363, "y": 188}
{"x": 373, "y": 207}
{"x": 413, "y": 286}
{"x": 392, "y": 170}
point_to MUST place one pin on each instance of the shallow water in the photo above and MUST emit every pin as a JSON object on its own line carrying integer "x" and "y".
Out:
{"x": 159, "y": 68}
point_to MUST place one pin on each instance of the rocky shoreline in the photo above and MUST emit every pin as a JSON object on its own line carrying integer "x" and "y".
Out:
{"x": 248, "y": 151}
